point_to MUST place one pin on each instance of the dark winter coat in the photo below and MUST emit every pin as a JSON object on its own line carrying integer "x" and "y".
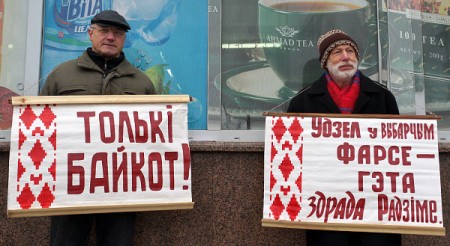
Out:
{"x": 373, "y": 98}
{"x": 83, "y": 77}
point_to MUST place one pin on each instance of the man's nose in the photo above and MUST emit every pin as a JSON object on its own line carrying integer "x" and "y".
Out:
{"x": 110, "y": 35}
{"x": 344, "y": 56}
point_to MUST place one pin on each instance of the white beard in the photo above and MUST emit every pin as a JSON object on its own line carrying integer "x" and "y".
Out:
{"x": 342, "y": 77}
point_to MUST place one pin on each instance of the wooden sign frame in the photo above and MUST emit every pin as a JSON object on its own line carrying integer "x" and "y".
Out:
{"x": 101, "y": 100}
{"x": 337, "y": 226}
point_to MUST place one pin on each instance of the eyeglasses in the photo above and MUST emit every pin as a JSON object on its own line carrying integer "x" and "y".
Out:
{"x": 104, "y": 31}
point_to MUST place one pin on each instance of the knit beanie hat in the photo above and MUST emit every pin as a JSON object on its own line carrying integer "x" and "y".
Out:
{"x": 330, "y": 40}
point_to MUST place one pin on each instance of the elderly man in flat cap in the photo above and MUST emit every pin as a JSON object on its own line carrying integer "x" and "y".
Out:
{"x": 101, "y": 70}
{"x": 344, "y": 89}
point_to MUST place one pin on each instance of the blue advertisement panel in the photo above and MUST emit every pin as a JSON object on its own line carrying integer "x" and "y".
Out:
{"x": 167, "y": 41}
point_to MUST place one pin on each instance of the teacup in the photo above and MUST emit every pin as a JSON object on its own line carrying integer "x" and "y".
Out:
{"x": 289, "y": 30}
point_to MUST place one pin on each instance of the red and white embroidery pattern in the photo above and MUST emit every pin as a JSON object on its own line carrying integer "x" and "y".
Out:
{"x": 36, "y": 157}
{"x": 286, "y": 168}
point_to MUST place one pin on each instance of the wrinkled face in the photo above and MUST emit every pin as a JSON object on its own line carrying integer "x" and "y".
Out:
{"x": 342, "y": 62}
{"x": 107, "y": 41}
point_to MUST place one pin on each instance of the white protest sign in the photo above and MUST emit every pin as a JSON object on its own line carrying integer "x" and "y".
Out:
{"x": 354, "y": 174}
{"x": 103, "y": 157}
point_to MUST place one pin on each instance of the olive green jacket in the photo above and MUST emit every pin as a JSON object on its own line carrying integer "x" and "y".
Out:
{"x": 83, "y": 77}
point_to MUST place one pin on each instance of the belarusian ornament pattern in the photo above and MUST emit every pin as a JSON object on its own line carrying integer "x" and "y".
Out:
{"x": 36, "y": 157}
{"x": 286, "y": 168}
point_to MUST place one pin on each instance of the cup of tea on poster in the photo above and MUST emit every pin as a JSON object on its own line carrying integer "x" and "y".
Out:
{"x": 289, "y": 30}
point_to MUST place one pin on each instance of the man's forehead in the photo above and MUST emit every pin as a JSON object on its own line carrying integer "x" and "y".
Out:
{"x": 108, "y": 26}
{"x": 344, "y": 47}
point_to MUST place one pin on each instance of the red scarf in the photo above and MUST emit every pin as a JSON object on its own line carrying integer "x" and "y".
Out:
{"x": 344, "y": 98}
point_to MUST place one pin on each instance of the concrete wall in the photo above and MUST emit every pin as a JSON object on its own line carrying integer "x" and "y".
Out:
{"x": 227, "y": 190}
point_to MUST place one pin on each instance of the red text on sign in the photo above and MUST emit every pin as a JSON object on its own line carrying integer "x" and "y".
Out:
{"x": 406, "y": 210}
{"x": 379, "y": 181}
{"x": 128, "y": 127}
{"x": 366, "y": 154}
{"x": 104, "y": 170}
{"x": 417, "y": 131}
{"x": 338, "y": 208}
{"x": 324, "y": 127}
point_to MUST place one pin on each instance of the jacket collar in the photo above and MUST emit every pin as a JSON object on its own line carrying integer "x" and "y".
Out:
{"x": 123, "y": 68}
{"x": 319, "y": 88}
{"x": 105, "y": 64}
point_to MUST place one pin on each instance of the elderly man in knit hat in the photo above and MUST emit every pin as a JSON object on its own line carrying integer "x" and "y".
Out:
{"x": 100, "y": 70}
{"x": 344, "y": 89}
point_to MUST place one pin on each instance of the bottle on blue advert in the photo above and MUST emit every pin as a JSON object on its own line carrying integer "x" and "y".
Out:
{"x": 152, "y": 21}
{"x": 67, "y": 21}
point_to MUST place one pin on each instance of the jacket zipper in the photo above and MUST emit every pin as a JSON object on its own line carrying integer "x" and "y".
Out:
{"x": 104, "y": 69}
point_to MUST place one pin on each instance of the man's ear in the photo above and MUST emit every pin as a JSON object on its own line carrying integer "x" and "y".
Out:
{"x": 90, "y": 32}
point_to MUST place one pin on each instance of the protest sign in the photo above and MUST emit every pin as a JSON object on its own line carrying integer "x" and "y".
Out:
{"x": 97, "y": 154}
{"x": 353, "y": 173}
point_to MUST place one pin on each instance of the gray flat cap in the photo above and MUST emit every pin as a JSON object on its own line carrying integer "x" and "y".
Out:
{"x": 110, "y": 18}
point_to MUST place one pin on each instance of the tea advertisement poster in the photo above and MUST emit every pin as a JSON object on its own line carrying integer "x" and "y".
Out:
{"x": 269, "y": 51}
{"x": 93, "y": 156}
{"x": 417, "y": 57}
{"x": 352, "y": 171}
{"x": 168, "y": 41}
{"x": 419, "y": 36}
